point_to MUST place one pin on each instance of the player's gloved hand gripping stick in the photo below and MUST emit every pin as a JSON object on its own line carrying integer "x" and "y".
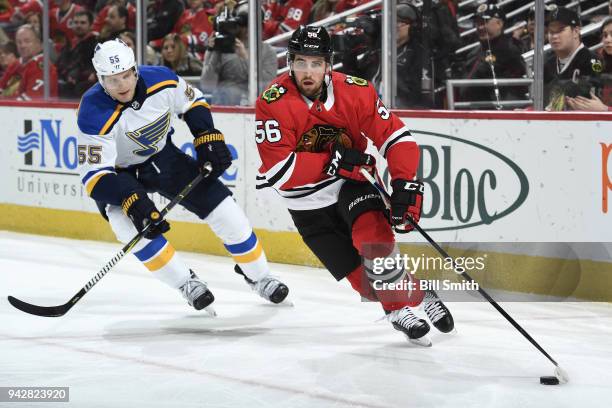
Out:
{"x": 560, "y": 373}
{"x": 56, "y": 311}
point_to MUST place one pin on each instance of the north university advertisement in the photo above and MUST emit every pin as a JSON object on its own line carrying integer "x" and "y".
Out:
{"x": 486, "y": 180}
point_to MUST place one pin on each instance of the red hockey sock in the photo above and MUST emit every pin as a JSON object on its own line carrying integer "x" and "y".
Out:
{"x": 373, "y": 238}
{"x": 359, "y": 282}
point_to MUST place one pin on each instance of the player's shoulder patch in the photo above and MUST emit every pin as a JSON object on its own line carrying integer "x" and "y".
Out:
{"x": 596, "y": 65}
{"x": 157, "y": 78}
{"x": 353, "y": 80}
{"x": 97, "y": 112}
{"x": 273, "y": 93}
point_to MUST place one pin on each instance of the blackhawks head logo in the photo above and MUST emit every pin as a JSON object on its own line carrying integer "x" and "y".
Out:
{"x": 596, "y": 65}
{"x": 274, "y": 93}
{"x": 320, "y": 137}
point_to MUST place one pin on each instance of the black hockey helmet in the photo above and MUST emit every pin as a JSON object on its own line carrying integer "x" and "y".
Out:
{"x": 310, "y": 40}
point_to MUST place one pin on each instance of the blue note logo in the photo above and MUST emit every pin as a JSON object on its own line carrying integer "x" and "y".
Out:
{"x": 150, "y": 134}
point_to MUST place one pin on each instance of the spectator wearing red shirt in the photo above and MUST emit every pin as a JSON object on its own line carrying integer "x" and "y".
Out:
{"x": 75, "y": 70}
{"x": 30, "y": 74}
{"x": 100, "y": 19}
{"x": 6, "y": 11}
{"x": 195, "y": 27}
{"x": 344, "y": 5}
{"x": 281, "y": 16}
{"x": 62, "y": 18}
{"x": 9, "y": 61}
{"x": 115, "y": 24}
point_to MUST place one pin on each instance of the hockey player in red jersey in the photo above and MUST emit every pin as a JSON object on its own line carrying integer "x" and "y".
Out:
{"x": 312, "y": 127}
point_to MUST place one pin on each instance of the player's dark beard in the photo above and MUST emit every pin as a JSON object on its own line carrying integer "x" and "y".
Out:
{"x": 313, "y": 95}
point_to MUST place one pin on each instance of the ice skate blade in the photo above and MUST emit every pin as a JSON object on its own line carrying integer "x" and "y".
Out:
{"x": 424, "y": 341}
{"x": 211, "y": 311}
{"x": 285, "y": 303}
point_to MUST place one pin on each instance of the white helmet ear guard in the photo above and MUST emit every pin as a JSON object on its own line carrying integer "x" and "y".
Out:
{"x": 113, "y": 57}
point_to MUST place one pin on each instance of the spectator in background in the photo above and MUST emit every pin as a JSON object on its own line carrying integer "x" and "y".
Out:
{"x": 162, "y": 16}
{"x": 593, "y": 103}
{"x": 357, "y": 47}
{"x": 444, "y": 40}
{"x": 525, "y": 36}
{"x": 129, "y": 38}
{"x": 100, "y": 19}
{"x": 30, "y": 74}
{"x": 61, "y": 24}
{"x": 281, "y": 16}
{"x": 6, "y": 11}
{"x": 9, "y": 62}
{"x": 195, "y": 27}
{"x": 344, "y": 5}
{"x": 226, "y": 68}
{"x": 572, "y": 69}
{"x": 409, "y": 58}
{"x": 8, "y": 56}
{"x": 115, "y": 23}
{"x": 322, "y": 9}
{"x": 175, "y": 56}
{"x": 497, "y": 53}
{"x": 75, "y": 70}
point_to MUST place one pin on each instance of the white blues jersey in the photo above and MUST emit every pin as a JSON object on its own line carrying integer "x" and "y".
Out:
{"x": 115, "y": 135}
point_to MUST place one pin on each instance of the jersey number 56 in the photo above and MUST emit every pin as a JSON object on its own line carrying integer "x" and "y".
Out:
{"x": 268, "y": 130}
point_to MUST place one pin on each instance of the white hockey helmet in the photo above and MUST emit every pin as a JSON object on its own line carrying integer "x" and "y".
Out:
{"x": 113, "y": 57}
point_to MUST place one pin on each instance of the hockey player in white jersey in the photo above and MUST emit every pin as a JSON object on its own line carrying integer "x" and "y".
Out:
{"x": 125, "y": 138}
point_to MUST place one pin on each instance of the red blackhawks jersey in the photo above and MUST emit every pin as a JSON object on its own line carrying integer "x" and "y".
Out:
{"x": 195, "y": 27}
{"x": 61, "y": 24}
{"x": 294, "y": 135}
{"x": 281, "y": 16}
{"x": 32, "y": 82}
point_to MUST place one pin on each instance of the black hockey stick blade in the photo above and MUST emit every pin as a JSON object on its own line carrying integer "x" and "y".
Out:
{"x": 45, "y": 311}
{"x": 57, "y": 311}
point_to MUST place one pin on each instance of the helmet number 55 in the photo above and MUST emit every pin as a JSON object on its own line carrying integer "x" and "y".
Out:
{"x": 268, "y": 130}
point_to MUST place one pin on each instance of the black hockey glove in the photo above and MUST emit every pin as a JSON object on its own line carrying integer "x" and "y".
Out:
{"x": 346, "y": 162}
{"x": 141, "y": 210}
{"x": 211, "y": 148}
{"x": 406, "y": 201}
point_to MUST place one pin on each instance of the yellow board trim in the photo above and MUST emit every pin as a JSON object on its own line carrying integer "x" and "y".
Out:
{"x": 162, "y": 258}
{"x": 110, "y": 121}
{"x": 512, "y": 272}
{"x": 250, "y": 256}
{"x": 158, "y": 85}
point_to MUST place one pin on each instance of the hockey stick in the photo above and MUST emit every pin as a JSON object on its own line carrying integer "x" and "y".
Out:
{"x": 560, "y": 372}
{"x": 56, "y": 311}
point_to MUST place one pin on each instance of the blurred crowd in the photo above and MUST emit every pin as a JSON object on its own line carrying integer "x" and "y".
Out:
{"x": 437, "y": 40}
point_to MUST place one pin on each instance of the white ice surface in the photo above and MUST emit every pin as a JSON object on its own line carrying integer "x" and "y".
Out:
{"x": 133, "y": 342}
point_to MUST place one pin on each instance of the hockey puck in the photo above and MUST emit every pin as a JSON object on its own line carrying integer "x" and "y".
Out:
{"x": 549, "y": 380}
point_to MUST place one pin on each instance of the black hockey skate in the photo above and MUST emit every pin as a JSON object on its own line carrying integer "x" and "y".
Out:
{"x": 437, "y": 312}
{"x": 197, "y": 294}
{"x": 269, "y": 287}
{"x": 408, "y": 323}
